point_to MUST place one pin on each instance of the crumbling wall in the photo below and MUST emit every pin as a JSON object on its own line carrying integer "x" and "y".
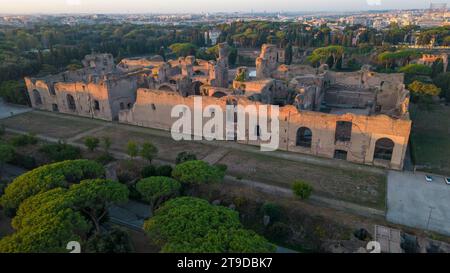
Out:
{"x": 153, "y": 109}
{"x": 267, "y": 62}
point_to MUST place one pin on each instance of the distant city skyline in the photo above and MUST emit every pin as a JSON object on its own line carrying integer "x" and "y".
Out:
{"x": 201, "y": 6}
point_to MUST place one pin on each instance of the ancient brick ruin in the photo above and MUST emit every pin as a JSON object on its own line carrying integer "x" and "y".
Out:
{"x": 358, "y": 116}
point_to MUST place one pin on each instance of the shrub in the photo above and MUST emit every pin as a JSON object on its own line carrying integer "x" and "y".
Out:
{"x": 148, "y": 151}
{"x": 104, "y": 159}
{"x": 106, "y": 144}
{"x": 197, "y": 172}
{"x": 48, "y": 177}
{"x": 165, "y": 170}
{"x": 302, "y": 190}
{"x": 185, "y": 156}
{"x": 272, "y": 210}
{"x": 148, "y": 171}
{"x": 91, "y": 143}
{"x": 129, "y": 171}
{"x": 132, "y": 149}
{"x": 157, "y": 189}
{"x": 134, "y": 194}
{"x": 24, "y": 140}
{"x": 6, "y": 153}
{"x": 222, "y": 167}
{"x": 278, "y": 232}
{"x": 420, "y": 90}
{"x": 61, "y": 152}
{"x": 115, "y": 240}
{"x": 25, "y": 161}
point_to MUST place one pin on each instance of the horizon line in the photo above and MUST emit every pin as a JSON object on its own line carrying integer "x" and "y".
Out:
{"x": 209, "y": 12}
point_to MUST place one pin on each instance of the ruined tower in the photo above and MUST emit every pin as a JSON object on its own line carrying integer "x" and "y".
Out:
{"x": 221, "y": 69}
{"x": 267, "y": 62}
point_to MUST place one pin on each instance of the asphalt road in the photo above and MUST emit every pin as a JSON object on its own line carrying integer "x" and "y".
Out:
{"x": 414, "y": 202}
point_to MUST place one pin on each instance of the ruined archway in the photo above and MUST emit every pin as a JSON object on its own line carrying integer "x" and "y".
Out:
{"x": 37, "y": 97}
{"x": 384, "y": 147}
{"x": 71, "y": 103}
{"x": 304, "y": 137}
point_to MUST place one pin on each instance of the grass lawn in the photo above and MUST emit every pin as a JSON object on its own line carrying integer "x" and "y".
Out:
{"x": 355, "y": 186}
{"x": 430, "y": 138}
{"x": 168, "y": 148}
{"x": 52, "y": 125}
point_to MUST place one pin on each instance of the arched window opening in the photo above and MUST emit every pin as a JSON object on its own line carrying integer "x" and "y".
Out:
{"x": 71, "y": 103}
{"x": 304, "y": 137}
{"x": 37, "y": 97}
{"x": 97, "y": 105}
{"x": 384, "y": 148}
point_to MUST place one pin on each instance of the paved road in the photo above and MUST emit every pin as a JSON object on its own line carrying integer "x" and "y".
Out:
{"x": 414, "y": 202}
{"x": 8, "y": 110}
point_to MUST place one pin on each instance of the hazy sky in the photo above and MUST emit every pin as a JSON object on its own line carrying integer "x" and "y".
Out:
{"x": 156, "y": 6}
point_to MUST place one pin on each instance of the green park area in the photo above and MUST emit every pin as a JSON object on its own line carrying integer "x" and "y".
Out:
{"x": 430, "y": 138}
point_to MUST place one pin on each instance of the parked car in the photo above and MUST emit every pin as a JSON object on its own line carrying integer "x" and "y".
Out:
{"x": 447, "y": 180}
{"x": 428, "y": 178}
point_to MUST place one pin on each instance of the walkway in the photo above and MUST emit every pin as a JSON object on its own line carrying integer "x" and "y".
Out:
{"x": 9, "y": 110}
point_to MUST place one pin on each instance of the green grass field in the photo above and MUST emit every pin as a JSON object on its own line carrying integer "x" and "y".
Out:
{"x": 356, "y": 186}
{"x": 430, "y": 138}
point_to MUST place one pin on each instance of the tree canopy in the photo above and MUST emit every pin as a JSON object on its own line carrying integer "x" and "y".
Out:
{"x": 443, "y": 82}
{"x": 188, "y": 224}
{"x": 91, "y": 143}
{"x": 94, "y": 197}
{"x": 416, "y": 69}
{"x": 148, "y": 151}
{"x": 399, "y": 57}
{"x": 157, "y": 189}
{"x": 322, "y": 54}
{"x": 47, "y": 221}
{"x": 183, "y": 49}
{"x": 424, "y": 89}
{"x": 196, "y": 172}
{"x": 48, "y": 177}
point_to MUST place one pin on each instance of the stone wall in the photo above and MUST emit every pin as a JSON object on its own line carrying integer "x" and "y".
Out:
{"x": 102, "y": 99}
{"x": 153, "y": 109}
